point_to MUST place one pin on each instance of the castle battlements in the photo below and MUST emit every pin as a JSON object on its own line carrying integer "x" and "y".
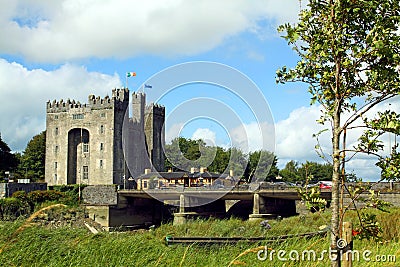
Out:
{"x": 93, "y": 143}
{"x": 118, "y": 96}
{"x": 156, "y": 109}
{"x": 62, "y": 106}
{"x": 138, "y": 95}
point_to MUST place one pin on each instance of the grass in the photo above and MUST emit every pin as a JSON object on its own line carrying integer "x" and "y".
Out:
{"x": 67, "y": 246}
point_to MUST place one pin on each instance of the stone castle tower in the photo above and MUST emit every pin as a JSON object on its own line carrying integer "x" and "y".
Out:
{"x": 97, "y": 142}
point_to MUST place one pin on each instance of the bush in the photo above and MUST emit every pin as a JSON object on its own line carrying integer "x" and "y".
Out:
{"x": 21, "y": 195}
{"x": 71, "y": 193}
{"x": 11, "y": 208}
{"x": 37, "y": 197}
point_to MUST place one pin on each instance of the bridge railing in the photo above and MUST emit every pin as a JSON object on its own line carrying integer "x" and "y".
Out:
{"x": 242, "y": 188}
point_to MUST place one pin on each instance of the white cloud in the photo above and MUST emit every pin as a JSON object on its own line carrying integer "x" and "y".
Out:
{"x": 294, "y": 139}
{"x": 253, "y": 136}
{"x": 208, "y": 136}
{"x": 294, "y": 134}
{"x": 364, "y": 168}
{"x": 173, "y": 131}
{"x": 72, "y": 29}
{"x": 24, "y": 93}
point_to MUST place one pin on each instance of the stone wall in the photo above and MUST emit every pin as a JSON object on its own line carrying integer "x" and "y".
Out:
{"x": 7, "y": 189}
{"x": 100, "y": 121}
{"x": 393, "y": 198}
{"x": 382, "y": 186}
{"x": 100, "y": 195}
{"x": 85, "y": 143}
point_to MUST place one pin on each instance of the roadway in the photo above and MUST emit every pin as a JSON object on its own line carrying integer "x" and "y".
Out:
{"x": 223, "y": 193}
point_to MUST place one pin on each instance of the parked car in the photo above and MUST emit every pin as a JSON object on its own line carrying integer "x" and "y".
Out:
{"x": 312, "y": 185}
{"x": 325, "y": 184}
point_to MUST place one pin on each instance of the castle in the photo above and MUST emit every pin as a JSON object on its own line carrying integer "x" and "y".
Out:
{"x": 97, "y": 143}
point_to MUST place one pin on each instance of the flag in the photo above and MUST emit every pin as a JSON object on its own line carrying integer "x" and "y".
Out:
{"x": 130, "y": 74}
{"x": 148, "y": 86}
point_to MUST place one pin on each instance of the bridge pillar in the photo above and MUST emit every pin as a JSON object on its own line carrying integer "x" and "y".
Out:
{"x": 183, "y": 215}
{"x": 260, "y": 208}
{"x": 182, "y": 203}
{"x": 270, "y": 208}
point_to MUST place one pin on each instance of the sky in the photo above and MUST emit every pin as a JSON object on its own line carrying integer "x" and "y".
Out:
{"x": 212, "y": 64}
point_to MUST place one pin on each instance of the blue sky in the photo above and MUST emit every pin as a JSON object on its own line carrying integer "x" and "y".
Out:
{"x": 73, "y": 48}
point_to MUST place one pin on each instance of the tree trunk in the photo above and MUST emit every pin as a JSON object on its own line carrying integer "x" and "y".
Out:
{"x": 336, "y": 131}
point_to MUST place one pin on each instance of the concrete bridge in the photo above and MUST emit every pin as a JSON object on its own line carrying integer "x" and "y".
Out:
{"x": 129, "y": 208}
{"x": 224, "y": 194}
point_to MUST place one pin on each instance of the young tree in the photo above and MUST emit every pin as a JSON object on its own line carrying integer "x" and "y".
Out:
{"x": 349, "y": 57}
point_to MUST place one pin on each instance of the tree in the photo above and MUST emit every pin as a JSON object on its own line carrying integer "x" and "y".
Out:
{"x": 314, "y": 171}
{"x": 290, "y": 173}
{"x": 8, "y": 161}
{"x": 262, "y": 166}
{"x": 33, "y": 158}
{"x": 349, "y": 57}
{"x": 183, "y": 153}
{"x": 220, "y": 162}
{"x": 309, "y": 171}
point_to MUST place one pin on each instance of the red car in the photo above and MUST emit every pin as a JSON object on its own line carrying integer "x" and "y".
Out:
{"x": 325, "y": 185}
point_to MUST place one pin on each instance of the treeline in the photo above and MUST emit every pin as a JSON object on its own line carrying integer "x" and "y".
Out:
{"x": 183, "y": 154}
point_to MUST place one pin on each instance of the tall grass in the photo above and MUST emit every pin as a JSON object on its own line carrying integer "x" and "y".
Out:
{"x": 67, "y": 246}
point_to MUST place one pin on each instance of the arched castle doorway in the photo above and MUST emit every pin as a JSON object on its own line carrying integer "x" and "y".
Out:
{"x": 78, "y": 153}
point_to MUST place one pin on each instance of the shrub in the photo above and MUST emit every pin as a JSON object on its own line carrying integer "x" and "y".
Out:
{"x": 71, "y": 193}
{"x": 11, "y": 208}
{"x": 21, "y": 195}
{"x": 38, "y": 196}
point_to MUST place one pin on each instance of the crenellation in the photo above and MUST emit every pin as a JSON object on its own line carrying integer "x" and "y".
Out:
{"x": 120, "y": 94}
{"x": 88, "y": 137}
{"x": 156, "y": 109}
{"x": 138, "y": 96}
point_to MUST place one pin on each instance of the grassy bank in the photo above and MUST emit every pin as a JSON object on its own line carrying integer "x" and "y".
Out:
{"x": 34, "y": 245}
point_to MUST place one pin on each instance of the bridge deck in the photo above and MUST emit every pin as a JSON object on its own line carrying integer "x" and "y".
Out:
{"x": 223, "y": 194}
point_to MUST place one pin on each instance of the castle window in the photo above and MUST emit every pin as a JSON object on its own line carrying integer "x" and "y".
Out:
{"x": 55, "y": 178}
{"x": 55, "y": 165}
{"x": 103, "y": 115}
{"x": 85, "y": 148}
{"x": 56, "y": 149}
{"x": 101, "y": 164}
{"x": 56, "y": 131}
{"x": 101, "y": 146}
{"x": 85, "y": 172}
{"x": 77, "y": 116}
{"x": 56, "y": 117}
{"x": 101, "y": 128}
